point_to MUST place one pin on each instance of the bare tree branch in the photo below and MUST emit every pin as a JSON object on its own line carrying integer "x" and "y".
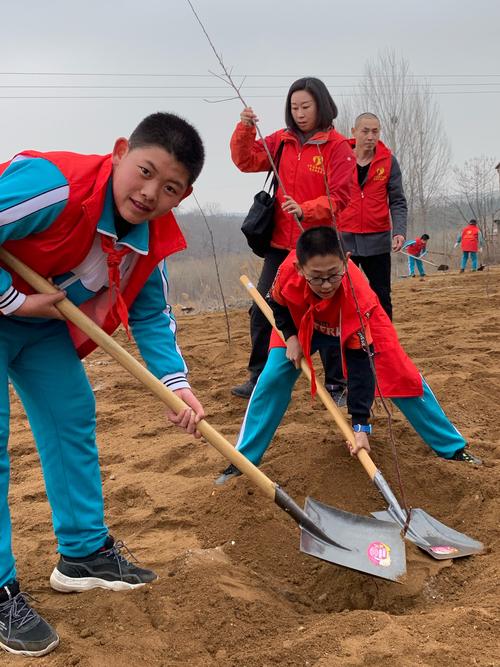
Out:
{"x": 227, "y": 78}
{"x": 214, "y": 254}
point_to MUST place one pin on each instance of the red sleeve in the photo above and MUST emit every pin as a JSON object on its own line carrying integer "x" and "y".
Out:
{"x": 340, "y": 167}
{"x": 250, "y": 155}
{"x": 275, "y": 291}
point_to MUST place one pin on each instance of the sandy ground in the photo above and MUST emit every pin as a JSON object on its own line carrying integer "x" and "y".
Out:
{"x": 234, "y": 587}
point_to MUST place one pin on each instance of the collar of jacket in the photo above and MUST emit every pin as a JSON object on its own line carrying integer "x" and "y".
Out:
{"x": 317, "y": 139}
{"x": 381, "y": 150}
{"x": 137, "y": 238}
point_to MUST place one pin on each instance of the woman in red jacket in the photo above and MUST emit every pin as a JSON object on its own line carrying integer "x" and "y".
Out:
{"x": 311, "y": 148}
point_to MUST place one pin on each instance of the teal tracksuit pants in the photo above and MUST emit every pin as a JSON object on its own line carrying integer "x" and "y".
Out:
{"x": 273, "y": 391}
{"x": 412, "y": 262}
{"x": 465, "y": 257}
{"x": 41, "y": 362}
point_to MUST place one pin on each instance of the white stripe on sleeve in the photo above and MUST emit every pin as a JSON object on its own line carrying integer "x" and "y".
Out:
{"x": 33, "y": 205}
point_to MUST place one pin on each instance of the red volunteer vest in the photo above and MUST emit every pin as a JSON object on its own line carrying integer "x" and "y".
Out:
{"x": 68, "y": 240}
{"x": 368, "y": 210}
{"x": 470, "y": 238}
{"x": 397, "y": 375}
{"x": 416, "y": 248}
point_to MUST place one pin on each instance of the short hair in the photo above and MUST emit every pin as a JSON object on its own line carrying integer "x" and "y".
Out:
{"x": 326, "y": 108}
{"x": 176, "y": 136}
{"x": 473, "y": 221}
{"x": 425, "y": 237}
{"x": 317, "y": 242}
{"x": 365, "y": 114}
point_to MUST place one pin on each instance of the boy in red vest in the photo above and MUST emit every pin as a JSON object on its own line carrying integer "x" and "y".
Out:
{"x": 416, "y": 249}
{"x": 313, "y": 304}
{"x": 471, "y": 241}
{"x": 100, "y": 226}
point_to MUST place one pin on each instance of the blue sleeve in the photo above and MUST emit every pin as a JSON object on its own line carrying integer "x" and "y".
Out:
{"x": 154, "y": 328}
{"x": 33, "y": 192}
{"x": 459, "y": 237}
{"x": 408, "y": 243}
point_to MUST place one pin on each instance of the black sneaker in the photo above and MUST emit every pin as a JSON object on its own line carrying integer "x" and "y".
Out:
{"x": 338, "y": 393}
{"x": 22, "y": 630}
{"x": 244, "y": 390}
{"x": 464, "y": 455}
{"x": 230, "y": 471}
{"x": 106, "y": 568}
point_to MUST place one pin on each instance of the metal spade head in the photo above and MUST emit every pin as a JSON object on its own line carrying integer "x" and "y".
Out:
{"x": 370, "y": 545}
{"x": 443, "y": 267}
{"x": 437, "y": 539}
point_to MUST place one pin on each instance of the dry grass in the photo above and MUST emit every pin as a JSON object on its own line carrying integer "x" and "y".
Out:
{"x": 193, "y": 282}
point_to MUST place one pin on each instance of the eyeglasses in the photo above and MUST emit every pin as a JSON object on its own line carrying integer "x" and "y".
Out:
{"x": 331, "y": 279}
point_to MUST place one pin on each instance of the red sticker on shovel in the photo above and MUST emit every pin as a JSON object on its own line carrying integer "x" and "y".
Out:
{"x": 379, "y": 554}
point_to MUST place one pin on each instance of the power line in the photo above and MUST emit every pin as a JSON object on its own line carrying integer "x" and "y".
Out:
{"x": 324, "y": 76}
{"x": 208, "y": 98}
{"x": 207, "y": 87}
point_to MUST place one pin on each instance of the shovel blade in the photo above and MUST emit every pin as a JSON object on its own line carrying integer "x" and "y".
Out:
{"x": 372, "y": 546}
{"x": 437, "y": 539}
{"x": 443, "y": 267}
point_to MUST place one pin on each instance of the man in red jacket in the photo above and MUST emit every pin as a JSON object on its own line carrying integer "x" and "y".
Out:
{"x": 471, "y": 240}
{"x": 313, "y": 305}
{"x": 374, "y": 222}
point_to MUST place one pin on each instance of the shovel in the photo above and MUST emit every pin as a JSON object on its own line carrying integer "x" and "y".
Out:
{"x": 432, "y": 536}
{"x": 360, "y": 543}
{"x": 440, "y": 267}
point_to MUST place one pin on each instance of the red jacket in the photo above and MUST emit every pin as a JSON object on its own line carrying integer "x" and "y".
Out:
{"x": 416, "y": 248}
{"x": 397, "y": 375}
{"x": 470, "y": 238}
{"x": 368, "y": 210}
{"x": 302, "y": 175}
{"x": 66, "y": 243}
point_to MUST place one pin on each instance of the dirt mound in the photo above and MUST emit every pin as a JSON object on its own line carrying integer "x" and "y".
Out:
{"x": 234, "y": 587}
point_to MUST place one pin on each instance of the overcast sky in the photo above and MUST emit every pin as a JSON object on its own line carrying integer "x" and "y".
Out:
{"x": 285, "y": 39}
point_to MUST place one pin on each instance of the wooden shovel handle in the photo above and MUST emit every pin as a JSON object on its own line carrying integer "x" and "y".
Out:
{"x": 95, "y": 333}
{"x": 426, "y": 261}
{"x": 363, "y": 456}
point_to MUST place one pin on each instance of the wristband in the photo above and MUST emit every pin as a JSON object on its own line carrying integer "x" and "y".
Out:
{"x": 362, "y": 428}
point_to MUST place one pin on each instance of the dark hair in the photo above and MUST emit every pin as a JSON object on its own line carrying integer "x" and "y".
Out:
{"x": 473, "y": 221}
{"x": 317, "y": 241}
{"x": 326, "y": 108}
{"x": 425, "y": 237}
{"x": 176, "y": 136}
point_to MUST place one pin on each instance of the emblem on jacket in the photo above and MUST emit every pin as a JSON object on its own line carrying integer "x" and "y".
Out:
{"x": 380, "y": 174}
{"x": 316, "y": 166}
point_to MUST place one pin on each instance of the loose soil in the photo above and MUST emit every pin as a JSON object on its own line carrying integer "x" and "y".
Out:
{"x": 234, "y": 588}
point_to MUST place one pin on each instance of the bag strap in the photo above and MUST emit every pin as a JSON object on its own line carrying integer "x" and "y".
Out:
{"x": 277, "y": 158}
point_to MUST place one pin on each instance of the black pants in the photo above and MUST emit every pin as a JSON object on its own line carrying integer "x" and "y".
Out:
{"x": 260, "y": 329}
{"x": 377, "y": 269}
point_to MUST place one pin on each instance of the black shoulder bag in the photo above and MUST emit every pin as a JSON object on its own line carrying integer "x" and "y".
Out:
{"x": 259, "y": 222}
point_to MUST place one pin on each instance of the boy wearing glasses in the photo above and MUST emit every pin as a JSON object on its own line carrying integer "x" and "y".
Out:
{"x": 314, "y": 307}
